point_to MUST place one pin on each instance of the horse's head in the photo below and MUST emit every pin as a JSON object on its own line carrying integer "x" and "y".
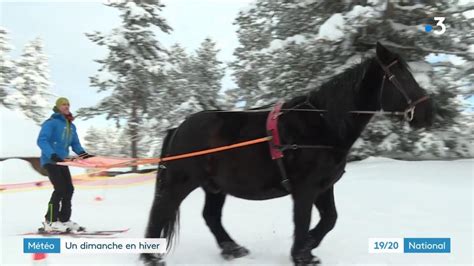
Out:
{"x": 399, "y": 91}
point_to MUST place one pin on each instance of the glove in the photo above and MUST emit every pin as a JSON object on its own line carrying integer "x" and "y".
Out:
{"x": 85, "y": 155}
{"x": 55, "y": 158}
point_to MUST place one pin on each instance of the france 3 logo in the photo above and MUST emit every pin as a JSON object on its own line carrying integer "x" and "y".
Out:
{"x": 440, "y": 20}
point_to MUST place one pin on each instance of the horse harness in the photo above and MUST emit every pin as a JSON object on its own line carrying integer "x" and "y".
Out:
{"x": 276, "y": 147}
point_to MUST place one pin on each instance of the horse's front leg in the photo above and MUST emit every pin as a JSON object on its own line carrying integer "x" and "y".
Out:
{"x": 327, "y": 211}
{"x": 303, "y": 199}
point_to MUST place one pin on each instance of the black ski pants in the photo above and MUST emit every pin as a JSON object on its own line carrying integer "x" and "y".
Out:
{"x": 59, "y": 207}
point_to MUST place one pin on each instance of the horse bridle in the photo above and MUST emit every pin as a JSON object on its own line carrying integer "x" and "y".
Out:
{"x": 409, "y": 112}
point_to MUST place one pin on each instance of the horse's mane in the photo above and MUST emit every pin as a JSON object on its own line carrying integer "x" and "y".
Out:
{"x": 349, "y": 80}
{"x": 338, "y": 97}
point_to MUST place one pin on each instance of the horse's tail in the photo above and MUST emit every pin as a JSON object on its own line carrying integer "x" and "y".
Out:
{"x": 171, "y": 226}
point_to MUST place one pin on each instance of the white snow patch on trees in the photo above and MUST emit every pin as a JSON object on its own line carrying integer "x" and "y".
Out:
{"x": 333, "y": 28}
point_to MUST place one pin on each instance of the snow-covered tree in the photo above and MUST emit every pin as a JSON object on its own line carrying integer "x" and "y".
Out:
{"x": 255, "y": 33}
{"x": 206, "y": 73}
{"x": 229, "y": 99}
{"x": 6, "y": 64}
{"x": 192, "y": 83}
{"x": 133, "y": 70}
{"x": 177, "y": 85}
{"x": 108, "y": 141}
{"x": 30, "y": 88}
{"x": 93, "y": 141}
{"x": 280, "y": 52}
{"x": 177, "y": 90}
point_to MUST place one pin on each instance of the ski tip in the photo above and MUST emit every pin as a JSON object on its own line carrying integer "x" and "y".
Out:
{"x": 43, "y": 232}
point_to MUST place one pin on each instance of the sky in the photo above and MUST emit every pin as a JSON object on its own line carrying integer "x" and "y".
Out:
{"x": 62, "y": 24}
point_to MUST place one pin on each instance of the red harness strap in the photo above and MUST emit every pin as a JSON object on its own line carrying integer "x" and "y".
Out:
{"x": 272, "y": 129}
{"x": 275, "y": 143}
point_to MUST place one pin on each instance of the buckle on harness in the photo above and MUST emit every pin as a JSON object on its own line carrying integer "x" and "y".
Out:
{"x": 409, "y": 113}
{"x": 285, "y": 183}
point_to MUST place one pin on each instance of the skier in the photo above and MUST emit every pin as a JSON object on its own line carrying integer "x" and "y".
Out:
{"x": 57, "y": 134}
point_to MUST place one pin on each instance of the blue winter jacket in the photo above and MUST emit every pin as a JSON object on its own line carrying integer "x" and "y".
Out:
{"x": 53, "y": 139}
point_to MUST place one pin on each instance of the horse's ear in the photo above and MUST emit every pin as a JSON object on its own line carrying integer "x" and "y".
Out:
{"x": 383, "y": 53}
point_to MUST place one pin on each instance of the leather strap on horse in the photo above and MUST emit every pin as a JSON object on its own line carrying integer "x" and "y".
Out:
{"x": 276, "y": 148}
{"x": 272, "y": 129}
{"x": 275, "y": 143}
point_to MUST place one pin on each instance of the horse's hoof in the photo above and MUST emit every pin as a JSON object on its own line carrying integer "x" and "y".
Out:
{"x": 152, "y": 260}
{"x": 307, "y": 261}
{"x": 156, "y": 263}
{"x": 230, "y": 250}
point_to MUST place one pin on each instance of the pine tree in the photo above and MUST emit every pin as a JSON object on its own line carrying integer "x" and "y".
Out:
{"x": 178, "y": 77}
{"x": 279, "y": 54}
{"x": 93, "y": 141}
{"x": 108, "y": 141}
{"x": 191, "y": 84}
{"x": 175, "y": 93}
{"x": 178, "y": 90}
{"x": 254, "y": 33}
{"x": 31, "y": 86}
{"x": 230, "y": 99}
{"x": 134, "y": 67}
{"x": 206, "y": 75}
{"x": 6, "y": 64}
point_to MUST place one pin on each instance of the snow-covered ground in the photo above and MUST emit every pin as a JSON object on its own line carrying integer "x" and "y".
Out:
{"x": 377, "y": 197}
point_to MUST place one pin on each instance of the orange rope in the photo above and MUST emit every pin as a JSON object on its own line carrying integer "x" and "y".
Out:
{"x": 203, "y": 152}
{"x": 135, "y": 162}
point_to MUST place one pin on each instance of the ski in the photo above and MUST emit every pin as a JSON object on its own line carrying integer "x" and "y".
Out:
{"x": 78, "y": 233}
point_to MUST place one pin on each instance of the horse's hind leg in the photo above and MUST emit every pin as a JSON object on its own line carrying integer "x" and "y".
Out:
{"x": 327, "y": 211}
{"x": 212, "y": 214}
{"x": 164, "y": 214}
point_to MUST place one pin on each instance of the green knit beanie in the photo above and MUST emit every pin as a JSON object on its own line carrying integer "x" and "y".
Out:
{"x": 60, "y": 101}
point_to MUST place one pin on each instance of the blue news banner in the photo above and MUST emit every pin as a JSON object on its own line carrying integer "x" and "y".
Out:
{"x": 89, "y": 245}
{"x": 158, "y": 245}
{"x": 409, "y": 245}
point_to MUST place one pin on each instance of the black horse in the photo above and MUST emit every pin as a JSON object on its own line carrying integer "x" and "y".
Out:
{"x": 381, "y": 82}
